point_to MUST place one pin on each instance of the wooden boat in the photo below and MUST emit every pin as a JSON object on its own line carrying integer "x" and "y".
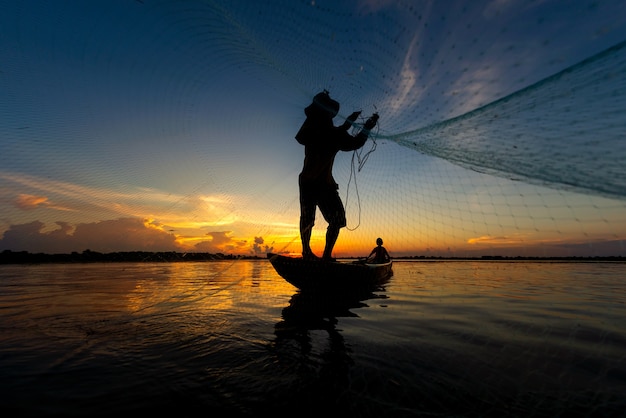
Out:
{"x": 330, "y": 275}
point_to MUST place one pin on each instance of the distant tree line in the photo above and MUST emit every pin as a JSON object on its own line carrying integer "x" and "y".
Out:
{"x": 515, "y": 258}
{"x": 88, "y": 256}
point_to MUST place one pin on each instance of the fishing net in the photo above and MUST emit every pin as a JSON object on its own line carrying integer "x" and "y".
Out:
{"x": 501, "y": 126}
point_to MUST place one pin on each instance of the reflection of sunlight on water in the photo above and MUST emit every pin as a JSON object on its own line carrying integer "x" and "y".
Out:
{"x": 75, "y": 301}
{"x": 186, "y": 284}
{"x": 215, "y": 286}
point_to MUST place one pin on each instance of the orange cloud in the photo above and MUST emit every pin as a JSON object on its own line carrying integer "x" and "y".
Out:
{"x": 29, "y": 201}
{"x": 487, "y": 239}
{"x": 221, "y": 242}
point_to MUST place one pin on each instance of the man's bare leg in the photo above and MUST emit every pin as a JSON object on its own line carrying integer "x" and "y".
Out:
{"x": 305, "y": 237}
{"x": 332, "y": 233}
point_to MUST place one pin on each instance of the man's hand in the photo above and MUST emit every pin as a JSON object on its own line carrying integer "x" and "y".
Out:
{"x": 353, "y": 116}
{"x": 350, "y": 120}
{"x": 371, "y": 122}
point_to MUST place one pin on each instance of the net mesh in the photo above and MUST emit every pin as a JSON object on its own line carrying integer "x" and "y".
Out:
{"x": 500, "y": 132}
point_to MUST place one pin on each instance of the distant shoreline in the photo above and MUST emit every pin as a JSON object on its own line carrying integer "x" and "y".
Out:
{"x": 88, "y": 256}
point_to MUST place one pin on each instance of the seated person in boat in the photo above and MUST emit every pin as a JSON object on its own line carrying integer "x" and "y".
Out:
{"x": 379, "y": 254}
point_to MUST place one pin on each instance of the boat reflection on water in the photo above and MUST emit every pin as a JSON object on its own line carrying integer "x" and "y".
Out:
{"x": 310, "y": 345}
{"x": 319, "y": 310}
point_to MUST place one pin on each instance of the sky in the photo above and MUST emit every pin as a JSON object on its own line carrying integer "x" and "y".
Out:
{"x": 169, "y": 126}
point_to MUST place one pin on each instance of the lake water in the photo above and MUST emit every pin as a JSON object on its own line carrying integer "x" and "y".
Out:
{"x": 232, "y": 338}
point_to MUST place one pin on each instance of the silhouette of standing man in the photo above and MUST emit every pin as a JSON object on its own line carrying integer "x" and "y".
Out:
{"x": 322, "y": 140}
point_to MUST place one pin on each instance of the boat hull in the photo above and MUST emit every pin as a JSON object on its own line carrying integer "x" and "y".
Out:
{"x": 330, "y": 275}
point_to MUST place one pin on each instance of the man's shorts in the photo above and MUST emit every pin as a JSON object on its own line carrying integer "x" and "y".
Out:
{"x": 327, "y": 199}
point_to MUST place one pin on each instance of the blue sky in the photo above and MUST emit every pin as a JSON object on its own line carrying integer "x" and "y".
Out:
{"x": 168, "y": 125}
